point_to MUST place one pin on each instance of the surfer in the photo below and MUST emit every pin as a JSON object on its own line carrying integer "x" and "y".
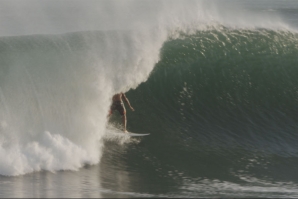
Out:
{"x": 117, "y": 104}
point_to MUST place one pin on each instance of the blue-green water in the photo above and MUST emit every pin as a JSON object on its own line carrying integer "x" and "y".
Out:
{"x": 213, "y": 82}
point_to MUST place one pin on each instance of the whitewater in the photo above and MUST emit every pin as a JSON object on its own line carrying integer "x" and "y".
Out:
{"x": 188, "y": 67}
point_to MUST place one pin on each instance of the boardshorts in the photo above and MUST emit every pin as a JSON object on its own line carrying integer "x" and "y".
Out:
{"x": 119, "y": 106}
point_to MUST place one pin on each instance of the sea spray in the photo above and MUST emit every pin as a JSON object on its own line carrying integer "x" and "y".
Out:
{"x": 56, "y": 91}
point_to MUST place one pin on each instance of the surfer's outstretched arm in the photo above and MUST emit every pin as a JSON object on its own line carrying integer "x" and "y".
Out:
{"x": 127, "y": 101}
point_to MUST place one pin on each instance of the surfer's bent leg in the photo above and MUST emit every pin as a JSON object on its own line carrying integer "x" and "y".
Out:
{"x": 124, "y": 122}
{"x": 122, "y": 112}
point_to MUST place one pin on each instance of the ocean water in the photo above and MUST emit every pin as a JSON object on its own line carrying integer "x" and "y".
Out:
{"x": 213, "y": 82}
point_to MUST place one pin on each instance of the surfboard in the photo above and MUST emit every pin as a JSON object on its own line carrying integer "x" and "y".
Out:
{"x": 130, "y": 134}
{"x": 136, "y": 134}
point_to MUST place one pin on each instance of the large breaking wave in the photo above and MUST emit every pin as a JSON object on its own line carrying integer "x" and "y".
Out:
{"x": 215, "y": 73}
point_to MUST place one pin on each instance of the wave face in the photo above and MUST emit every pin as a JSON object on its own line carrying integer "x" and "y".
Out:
{"x": 222, "y": 104}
